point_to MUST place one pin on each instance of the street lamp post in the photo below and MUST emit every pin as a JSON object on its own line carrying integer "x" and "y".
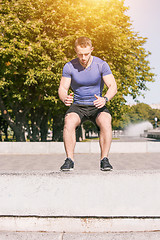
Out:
{"x": 155, "y": 119}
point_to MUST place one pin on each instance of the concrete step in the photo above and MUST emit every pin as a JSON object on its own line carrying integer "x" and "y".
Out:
{"x": 81, "y": 147}
{"x": 79, "y": 236}
{"x": 83, "y": 201}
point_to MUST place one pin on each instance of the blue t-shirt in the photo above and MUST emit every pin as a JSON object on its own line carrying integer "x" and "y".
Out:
{"x": 86, "y": 82}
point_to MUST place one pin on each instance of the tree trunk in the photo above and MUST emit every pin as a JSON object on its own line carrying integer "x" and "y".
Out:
{"x": 17, "y": 128}
{"x": 6, "y": 132}
{"x": 39, "y": 125}
{"x": 58, "y": 124}
{"x": 44, "y": 128}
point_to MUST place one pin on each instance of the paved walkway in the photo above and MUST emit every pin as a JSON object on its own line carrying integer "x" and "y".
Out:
{"x": 120, "y": 161}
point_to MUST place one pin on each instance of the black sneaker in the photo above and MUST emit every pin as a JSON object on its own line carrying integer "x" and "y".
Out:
{"x": 68, "y": 165}
{"x": 105, "y": 165}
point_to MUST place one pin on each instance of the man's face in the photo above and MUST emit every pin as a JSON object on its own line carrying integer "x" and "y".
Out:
{"x": 84, "y": 54}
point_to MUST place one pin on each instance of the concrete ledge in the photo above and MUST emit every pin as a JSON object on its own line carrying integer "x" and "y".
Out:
{"x": 153, "y": 134}
{"x": 79, "y": 236}
{"x": 94, "y": 193}
{"x": 81, "y": 147}
{"x": 78, "y": 225}
{"x": 6, "y": 235}
{"x": 80, "y": 201}
{"x": 153, "y": 147}
{"x": 129, "y": 147}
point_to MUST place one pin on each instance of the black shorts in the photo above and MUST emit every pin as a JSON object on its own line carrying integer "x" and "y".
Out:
{"x": 87, "y": 112}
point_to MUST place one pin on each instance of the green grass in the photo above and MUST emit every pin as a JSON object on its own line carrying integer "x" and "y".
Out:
{"x": 89, "y": 139}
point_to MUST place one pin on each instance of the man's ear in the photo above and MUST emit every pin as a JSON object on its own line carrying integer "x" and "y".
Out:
{"x": 92, "y": 48}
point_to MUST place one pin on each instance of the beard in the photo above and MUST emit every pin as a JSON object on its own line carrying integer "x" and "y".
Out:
{"x": 84, "y": 63}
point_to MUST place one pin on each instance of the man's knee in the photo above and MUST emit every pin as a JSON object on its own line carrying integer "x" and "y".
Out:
{"x": 104, "y": 120}
{"x": 72, "y": 120}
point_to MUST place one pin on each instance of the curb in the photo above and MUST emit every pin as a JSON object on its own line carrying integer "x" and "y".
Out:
{"x": 81, "y": 147}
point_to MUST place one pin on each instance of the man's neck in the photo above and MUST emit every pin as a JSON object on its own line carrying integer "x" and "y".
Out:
{"x": 88, "y": 63}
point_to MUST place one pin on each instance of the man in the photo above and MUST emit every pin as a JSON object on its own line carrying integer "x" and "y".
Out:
{"x": 86, "y": 75}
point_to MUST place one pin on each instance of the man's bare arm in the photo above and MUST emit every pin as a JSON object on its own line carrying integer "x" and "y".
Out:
{"x": 110, "y": 82}
{"x": 112, "y": 90}
{"x": 63, "y": 91}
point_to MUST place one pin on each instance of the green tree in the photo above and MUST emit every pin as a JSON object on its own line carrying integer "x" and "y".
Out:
{"x": 36, "y": 39}
{"x": 138, "y": 113}
{"x": 31, "y": 64}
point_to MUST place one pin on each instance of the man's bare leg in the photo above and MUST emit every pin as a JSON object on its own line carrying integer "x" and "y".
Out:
{"x": 72, "y": 120}
{"x": 104, "y": 122}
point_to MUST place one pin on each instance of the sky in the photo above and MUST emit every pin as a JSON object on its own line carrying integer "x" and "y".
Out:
{"x": 145, "y": 17}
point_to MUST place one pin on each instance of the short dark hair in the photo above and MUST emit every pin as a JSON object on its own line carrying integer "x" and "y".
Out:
{"x": 83, "y": 42}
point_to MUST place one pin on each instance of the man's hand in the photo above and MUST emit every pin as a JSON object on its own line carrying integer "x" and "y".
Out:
{"x": 69, "y": 99}
{"x": 99, "y": 102}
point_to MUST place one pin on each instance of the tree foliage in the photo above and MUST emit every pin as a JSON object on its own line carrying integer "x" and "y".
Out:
{"x": 36, "y": 40}
{"x": 138, "y": 113}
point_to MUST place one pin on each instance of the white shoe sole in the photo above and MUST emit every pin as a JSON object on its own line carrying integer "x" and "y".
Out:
{"x": 66, "y": 170}
{"x": 106, "y": 169}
